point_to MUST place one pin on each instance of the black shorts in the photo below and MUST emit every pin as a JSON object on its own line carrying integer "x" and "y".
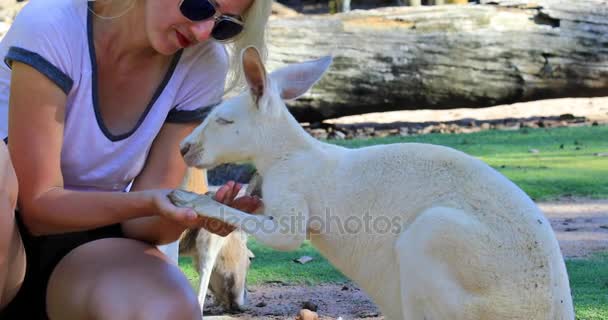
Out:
{"x": 43, "y": 254}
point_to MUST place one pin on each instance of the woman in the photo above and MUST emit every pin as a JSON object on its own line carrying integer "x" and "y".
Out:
{"x": 101, "y": 94}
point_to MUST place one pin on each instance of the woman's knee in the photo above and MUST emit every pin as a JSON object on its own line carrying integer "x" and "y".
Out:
{"x": 174, "y": 304}
{"x": 172, "y": 307}
{"x": 120, "y": 279}
{"x": 8, "y": 178}
{"x": 161, "y": 296}
{"x": 12, "y": 254}
{"x": 106, "y": 304}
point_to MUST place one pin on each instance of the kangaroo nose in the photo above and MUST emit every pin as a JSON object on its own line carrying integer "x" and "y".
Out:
{"x": 184, "y": 149}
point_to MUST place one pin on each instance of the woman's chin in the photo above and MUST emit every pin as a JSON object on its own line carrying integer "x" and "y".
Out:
{"x": 166, "y": 48}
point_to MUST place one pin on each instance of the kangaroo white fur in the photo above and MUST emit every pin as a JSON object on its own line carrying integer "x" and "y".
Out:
{"x": 464, "y": 242}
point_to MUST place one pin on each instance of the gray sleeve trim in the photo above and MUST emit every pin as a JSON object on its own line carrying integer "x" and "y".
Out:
{"x": 41, "y": 64}
{"x": 188, "y": 116}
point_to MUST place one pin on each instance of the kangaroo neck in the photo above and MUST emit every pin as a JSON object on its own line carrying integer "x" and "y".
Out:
{"x": 281, "y": 143}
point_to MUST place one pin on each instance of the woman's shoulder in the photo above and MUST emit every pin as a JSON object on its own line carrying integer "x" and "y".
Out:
{"x": 51, "y": 37}
{"x": 56, "y": 15}
{"x": 202, "y": 72}
{"x": 206, "y": 57}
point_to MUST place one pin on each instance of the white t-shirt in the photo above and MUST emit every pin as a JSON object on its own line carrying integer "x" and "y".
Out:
{"x": 55, "y": 37}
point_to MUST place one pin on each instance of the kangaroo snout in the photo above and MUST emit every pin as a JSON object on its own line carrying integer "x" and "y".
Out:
{"x": 184, "y": 148}
{"x": 190, "y": 152}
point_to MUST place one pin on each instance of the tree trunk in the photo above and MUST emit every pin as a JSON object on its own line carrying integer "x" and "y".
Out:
{"x": 444, "y": 57}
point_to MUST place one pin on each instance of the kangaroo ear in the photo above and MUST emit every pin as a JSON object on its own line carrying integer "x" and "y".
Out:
{"x": 254, "y": 71}
{"x": 295, "y": 79}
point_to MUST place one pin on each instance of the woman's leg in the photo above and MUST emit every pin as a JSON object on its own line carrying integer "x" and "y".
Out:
{"x": 118, "y": 279}
{"x": 12, "y": 258}
{"x": 12, "y": 254}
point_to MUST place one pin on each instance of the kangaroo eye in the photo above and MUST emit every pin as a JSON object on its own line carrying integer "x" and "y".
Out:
{"x": 223, "y": 121}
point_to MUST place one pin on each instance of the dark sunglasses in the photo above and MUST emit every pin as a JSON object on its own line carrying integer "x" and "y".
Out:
{"x": 226, "y": 26}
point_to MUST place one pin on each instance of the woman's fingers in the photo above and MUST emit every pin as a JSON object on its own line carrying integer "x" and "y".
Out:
{"x": 234, "y": 191}
{"x": 221, "y": 193}
{"x": 186, "y": 214}
{"x": 165, "y": 208}
{"x": 247, "y": 203}
{"x": 226, "y": 193}
{"x": 183, "y": 215}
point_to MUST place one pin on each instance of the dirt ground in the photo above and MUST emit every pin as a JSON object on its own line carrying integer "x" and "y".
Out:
{"x": 581, "y": 225}
{"x": 594, "y": 109}
{"x": 540, "y": 114}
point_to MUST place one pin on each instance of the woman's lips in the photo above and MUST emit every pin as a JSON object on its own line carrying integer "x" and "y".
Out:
{"x": 183, "y": 41}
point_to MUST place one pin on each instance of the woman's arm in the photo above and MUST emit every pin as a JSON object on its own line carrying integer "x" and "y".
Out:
{"x": 36, "y": 123}
{"x": 164, "y": 169}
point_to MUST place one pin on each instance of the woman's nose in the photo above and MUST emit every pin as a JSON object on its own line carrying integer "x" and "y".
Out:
{"x": 202, "y": 30}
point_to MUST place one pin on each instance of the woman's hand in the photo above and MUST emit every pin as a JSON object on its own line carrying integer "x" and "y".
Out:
{"x": 188, "y": 218}
{"x": 162, "y": 206}
{"x": 226, "y": 194}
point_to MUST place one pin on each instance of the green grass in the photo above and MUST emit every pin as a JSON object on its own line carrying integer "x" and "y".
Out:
{"x": 589, "y": 284}
{"x": 185, "y": 263}
{"x": 564, "y": 166}
{"x": 276, "y": 265}
{"x": 553, "y": 172}
{"x": 271, "y": 265}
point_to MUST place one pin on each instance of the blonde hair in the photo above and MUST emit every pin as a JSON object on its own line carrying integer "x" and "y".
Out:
{"x": 253, "y": 34}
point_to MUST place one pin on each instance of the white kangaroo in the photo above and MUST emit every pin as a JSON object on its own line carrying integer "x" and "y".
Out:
{"x": 448, "y": 238}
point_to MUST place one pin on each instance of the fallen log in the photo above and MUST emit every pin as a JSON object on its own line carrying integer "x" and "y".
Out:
{"x": 443, "y": 57}
{"x": 282, "y": 10}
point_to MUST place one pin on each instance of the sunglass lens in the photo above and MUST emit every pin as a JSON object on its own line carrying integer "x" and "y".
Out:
{"x": 197, "y": 10}
{"x": 226, "y": 29}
